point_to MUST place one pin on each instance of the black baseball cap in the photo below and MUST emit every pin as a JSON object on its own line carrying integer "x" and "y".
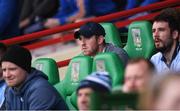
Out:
{"x": 89, "y": 29}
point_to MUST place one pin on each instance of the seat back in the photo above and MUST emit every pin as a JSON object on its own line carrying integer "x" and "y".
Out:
{"x": 140, "y": 41}
{"x": 112, "y": 34}
{"x": 71, "y": 101}
{"x": 49, "y": 67}
{"x": 114, "y": 101}
{"x": 78, "y": 68}
{"x": 111, "y": 63}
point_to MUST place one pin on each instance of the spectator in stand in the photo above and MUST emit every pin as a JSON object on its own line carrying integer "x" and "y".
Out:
{"x": 138, "y": 73}
{"x": 91, "y": 38}
{"x": 9, "y": 18}
{"x": 35, "y": 12}
{"x": 166, "y": 34}
{"x": 99, "y": 82}
{"x": 73, "y": 10}
{"x": 162, "y": 94}
{"x": 67, "y": 13}
{"x": 2, "y": 82}
{"x": 28, "y": 87}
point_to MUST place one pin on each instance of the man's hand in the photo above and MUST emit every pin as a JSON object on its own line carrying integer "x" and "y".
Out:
{"x": 50, "y": 23}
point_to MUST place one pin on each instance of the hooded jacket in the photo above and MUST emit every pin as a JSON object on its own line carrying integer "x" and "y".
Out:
{"x": 34, "y": 94}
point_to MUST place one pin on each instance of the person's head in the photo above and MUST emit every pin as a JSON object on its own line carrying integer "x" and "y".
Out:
{"x": 3, "y": 49}
{"x": 99, "y": 82}
{"x": 16, "y": 64}
{"x": 163, "y": 93}
{"x": 91, "y": 36}
{"x": 137, "y": 74}
{"x": 165, "y": 30}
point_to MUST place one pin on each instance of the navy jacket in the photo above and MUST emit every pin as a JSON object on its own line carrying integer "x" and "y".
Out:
{"x": 9, "y": 19}
{"x": 35, "y": 94}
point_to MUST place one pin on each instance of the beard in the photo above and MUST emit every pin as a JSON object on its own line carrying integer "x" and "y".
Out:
{"x": 166, "y": 46}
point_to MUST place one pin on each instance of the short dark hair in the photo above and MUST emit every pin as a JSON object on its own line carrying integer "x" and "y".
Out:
{"x": 169, "y": 15}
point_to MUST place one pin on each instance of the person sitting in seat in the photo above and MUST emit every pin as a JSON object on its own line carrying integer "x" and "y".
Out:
{"x": 91, "y": 37}
{"x": 71, "y": 11}
{"x": 166, "y": 37}
{"x": 28, "y": 88}
{"x": 138, "y": 73}
{"x": 99, "y": 82}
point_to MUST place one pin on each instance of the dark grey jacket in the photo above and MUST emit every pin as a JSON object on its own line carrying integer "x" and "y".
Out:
{"x": 119, "y": 51}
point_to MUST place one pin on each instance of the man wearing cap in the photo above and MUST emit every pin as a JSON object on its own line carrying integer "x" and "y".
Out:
{"x": 91, "y": 36}
{"x": 28, "y": 87}
{"x": 96, "y": 82}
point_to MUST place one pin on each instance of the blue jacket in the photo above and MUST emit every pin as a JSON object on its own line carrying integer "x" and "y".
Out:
{"x": 3, "y": 86}
{"x": 135, "y": 3}
{"x": 35, "y": 94}
{"x": 67, "y": 9}
{"x": 100, "y": 7}
{"x": 9, "y": 19}
{"x": 92, "y": 8}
